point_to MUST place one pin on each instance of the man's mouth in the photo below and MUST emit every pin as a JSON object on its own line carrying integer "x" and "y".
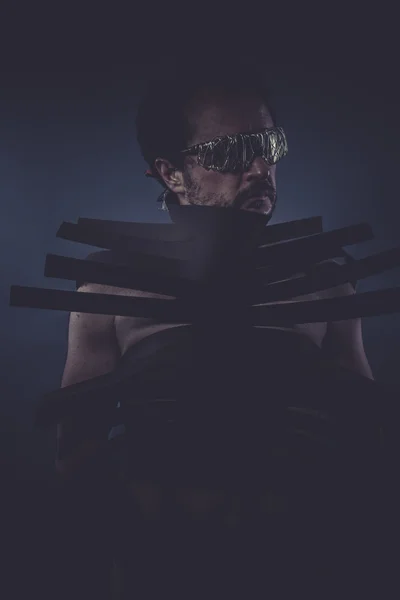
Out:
{"x": 263, "y": 203}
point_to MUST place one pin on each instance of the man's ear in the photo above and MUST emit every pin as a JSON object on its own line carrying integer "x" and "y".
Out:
{"x": 172, "y": 177}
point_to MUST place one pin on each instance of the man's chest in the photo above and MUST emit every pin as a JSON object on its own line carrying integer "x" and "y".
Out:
{"x": 130, "y": 330}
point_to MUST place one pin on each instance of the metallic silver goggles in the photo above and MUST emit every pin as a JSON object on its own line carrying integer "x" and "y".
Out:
{"x": 232, "y": 153}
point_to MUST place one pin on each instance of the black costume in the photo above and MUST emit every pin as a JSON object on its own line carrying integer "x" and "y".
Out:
{"x": 210, "y": 402}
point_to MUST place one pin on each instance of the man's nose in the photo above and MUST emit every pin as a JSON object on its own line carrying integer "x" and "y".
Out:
{"x": 258, "y": 169}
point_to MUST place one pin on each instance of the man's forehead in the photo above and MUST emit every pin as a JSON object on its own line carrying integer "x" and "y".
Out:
{"x": 216, "y": 114}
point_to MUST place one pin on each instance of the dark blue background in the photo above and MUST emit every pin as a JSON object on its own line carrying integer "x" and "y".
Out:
{"x": 68, "y": 149}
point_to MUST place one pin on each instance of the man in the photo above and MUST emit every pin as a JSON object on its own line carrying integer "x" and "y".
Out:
{"x": 176, "y": 116}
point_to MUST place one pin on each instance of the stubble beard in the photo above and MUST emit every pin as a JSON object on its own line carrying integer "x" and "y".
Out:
{"x": 195, "y": 196}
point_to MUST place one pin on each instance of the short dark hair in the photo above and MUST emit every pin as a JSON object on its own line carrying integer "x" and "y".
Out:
{"x": 161, "y": 125}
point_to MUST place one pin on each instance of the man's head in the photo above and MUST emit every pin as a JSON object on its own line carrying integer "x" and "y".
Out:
{"x": 194, "y": 111}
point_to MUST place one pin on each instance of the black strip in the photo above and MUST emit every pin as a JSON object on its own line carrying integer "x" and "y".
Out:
{"x": 118, "y": 275}
{"x": 315, "y": 248}
{"x": 367, "y": 304}
{"x": 330, "y": 275}
{"x": 146, "y": 250}
{"x": 291, "y": 255}
{"x": 151, "y": 231}
{"x": 174, "y": 233}
{"x": 291, "y": 229}
{"x": 167, "y": 311}
{"x": 123, "y": 243}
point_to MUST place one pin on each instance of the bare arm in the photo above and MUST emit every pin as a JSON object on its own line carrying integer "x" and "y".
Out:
{"x": 343, "y": 342}
{"x": 92, "y": 351}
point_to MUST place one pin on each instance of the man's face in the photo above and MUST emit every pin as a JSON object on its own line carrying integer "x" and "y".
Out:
{"x": 216, "y": 114}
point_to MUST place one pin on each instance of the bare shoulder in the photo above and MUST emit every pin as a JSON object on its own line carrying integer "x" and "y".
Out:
{"x": 345, "y": 289}
{"x": 343, "y": 342}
